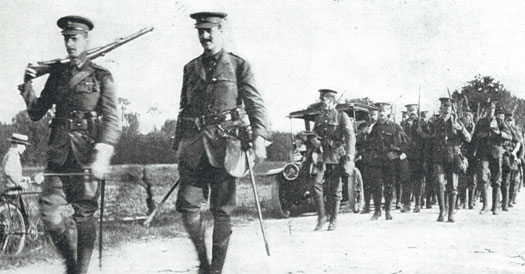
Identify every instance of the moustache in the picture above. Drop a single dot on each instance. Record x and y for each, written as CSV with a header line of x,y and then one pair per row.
x,y
205,40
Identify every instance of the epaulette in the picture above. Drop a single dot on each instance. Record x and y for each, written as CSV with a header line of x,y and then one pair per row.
x,y
95,66
235,55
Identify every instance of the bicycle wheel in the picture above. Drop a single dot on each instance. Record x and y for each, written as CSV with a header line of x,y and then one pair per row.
x,y
12,229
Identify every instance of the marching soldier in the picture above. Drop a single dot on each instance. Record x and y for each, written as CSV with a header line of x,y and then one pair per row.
x,y
418,162
468,180
364,156
511,164
385,144
335,142
83,133
489,135
218,98
413,155
447,135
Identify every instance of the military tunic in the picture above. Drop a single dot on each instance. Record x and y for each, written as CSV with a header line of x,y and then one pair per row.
x,y
386,143
489,150
337,136
86,114
214,86
446,154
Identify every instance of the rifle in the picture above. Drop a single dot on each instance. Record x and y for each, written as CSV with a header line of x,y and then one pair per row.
x,y
44,67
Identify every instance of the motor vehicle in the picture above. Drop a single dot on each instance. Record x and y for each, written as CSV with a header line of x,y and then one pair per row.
x,y
291,184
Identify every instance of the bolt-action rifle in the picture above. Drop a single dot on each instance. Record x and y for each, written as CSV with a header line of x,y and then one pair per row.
x,y
44,67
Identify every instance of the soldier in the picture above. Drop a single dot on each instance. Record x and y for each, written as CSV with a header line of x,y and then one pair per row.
x,y
408,166
385,144
335,142
83,133
468,180
417,160
364,156
447,135
511,164
489,135
218,97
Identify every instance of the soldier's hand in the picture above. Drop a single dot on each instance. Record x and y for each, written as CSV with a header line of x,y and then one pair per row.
x,y
403,156
100,166
495,131
30,73
259,148
316,141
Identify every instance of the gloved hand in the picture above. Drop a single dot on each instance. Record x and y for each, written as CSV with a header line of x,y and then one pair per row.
x,y
403,156
39,178
100,166
259,148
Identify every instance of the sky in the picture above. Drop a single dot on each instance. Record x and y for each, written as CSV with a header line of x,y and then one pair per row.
x,y
384,50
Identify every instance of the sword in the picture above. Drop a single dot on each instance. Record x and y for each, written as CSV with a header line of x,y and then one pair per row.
x,y
252,178
147,222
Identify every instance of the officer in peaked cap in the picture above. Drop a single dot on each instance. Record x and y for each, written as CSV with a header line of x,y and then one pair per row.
x,y
84,132
218,91
336,147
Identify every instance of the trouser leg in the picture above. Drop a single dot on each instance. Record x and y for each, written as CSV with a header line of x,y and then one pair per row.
x,y
440,191
335,194
377,194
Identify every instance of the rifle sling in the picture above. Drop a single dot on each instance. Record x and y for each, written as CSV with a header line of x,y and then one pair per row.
x,y
80,76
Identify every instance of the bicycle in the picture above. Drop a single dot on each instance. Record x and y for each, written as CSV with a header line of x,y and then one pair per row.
x,y
15,223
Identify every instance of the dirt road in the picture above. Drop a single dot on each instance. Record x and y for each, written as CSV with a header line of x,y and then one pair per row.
x,y
411,243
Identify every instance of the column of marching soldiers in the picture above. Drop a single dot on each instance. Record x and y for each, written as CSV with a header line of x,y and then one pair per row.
x,y
454,159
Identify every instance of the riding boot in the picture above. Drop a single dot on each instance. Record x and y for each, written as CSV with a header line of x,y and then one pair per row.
x,y
484,197
452,200
87,233
333,216
221,239
416,206
471,197
441,203
505,198
321,213
193,225
377,205
495,200
366,208
65,243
